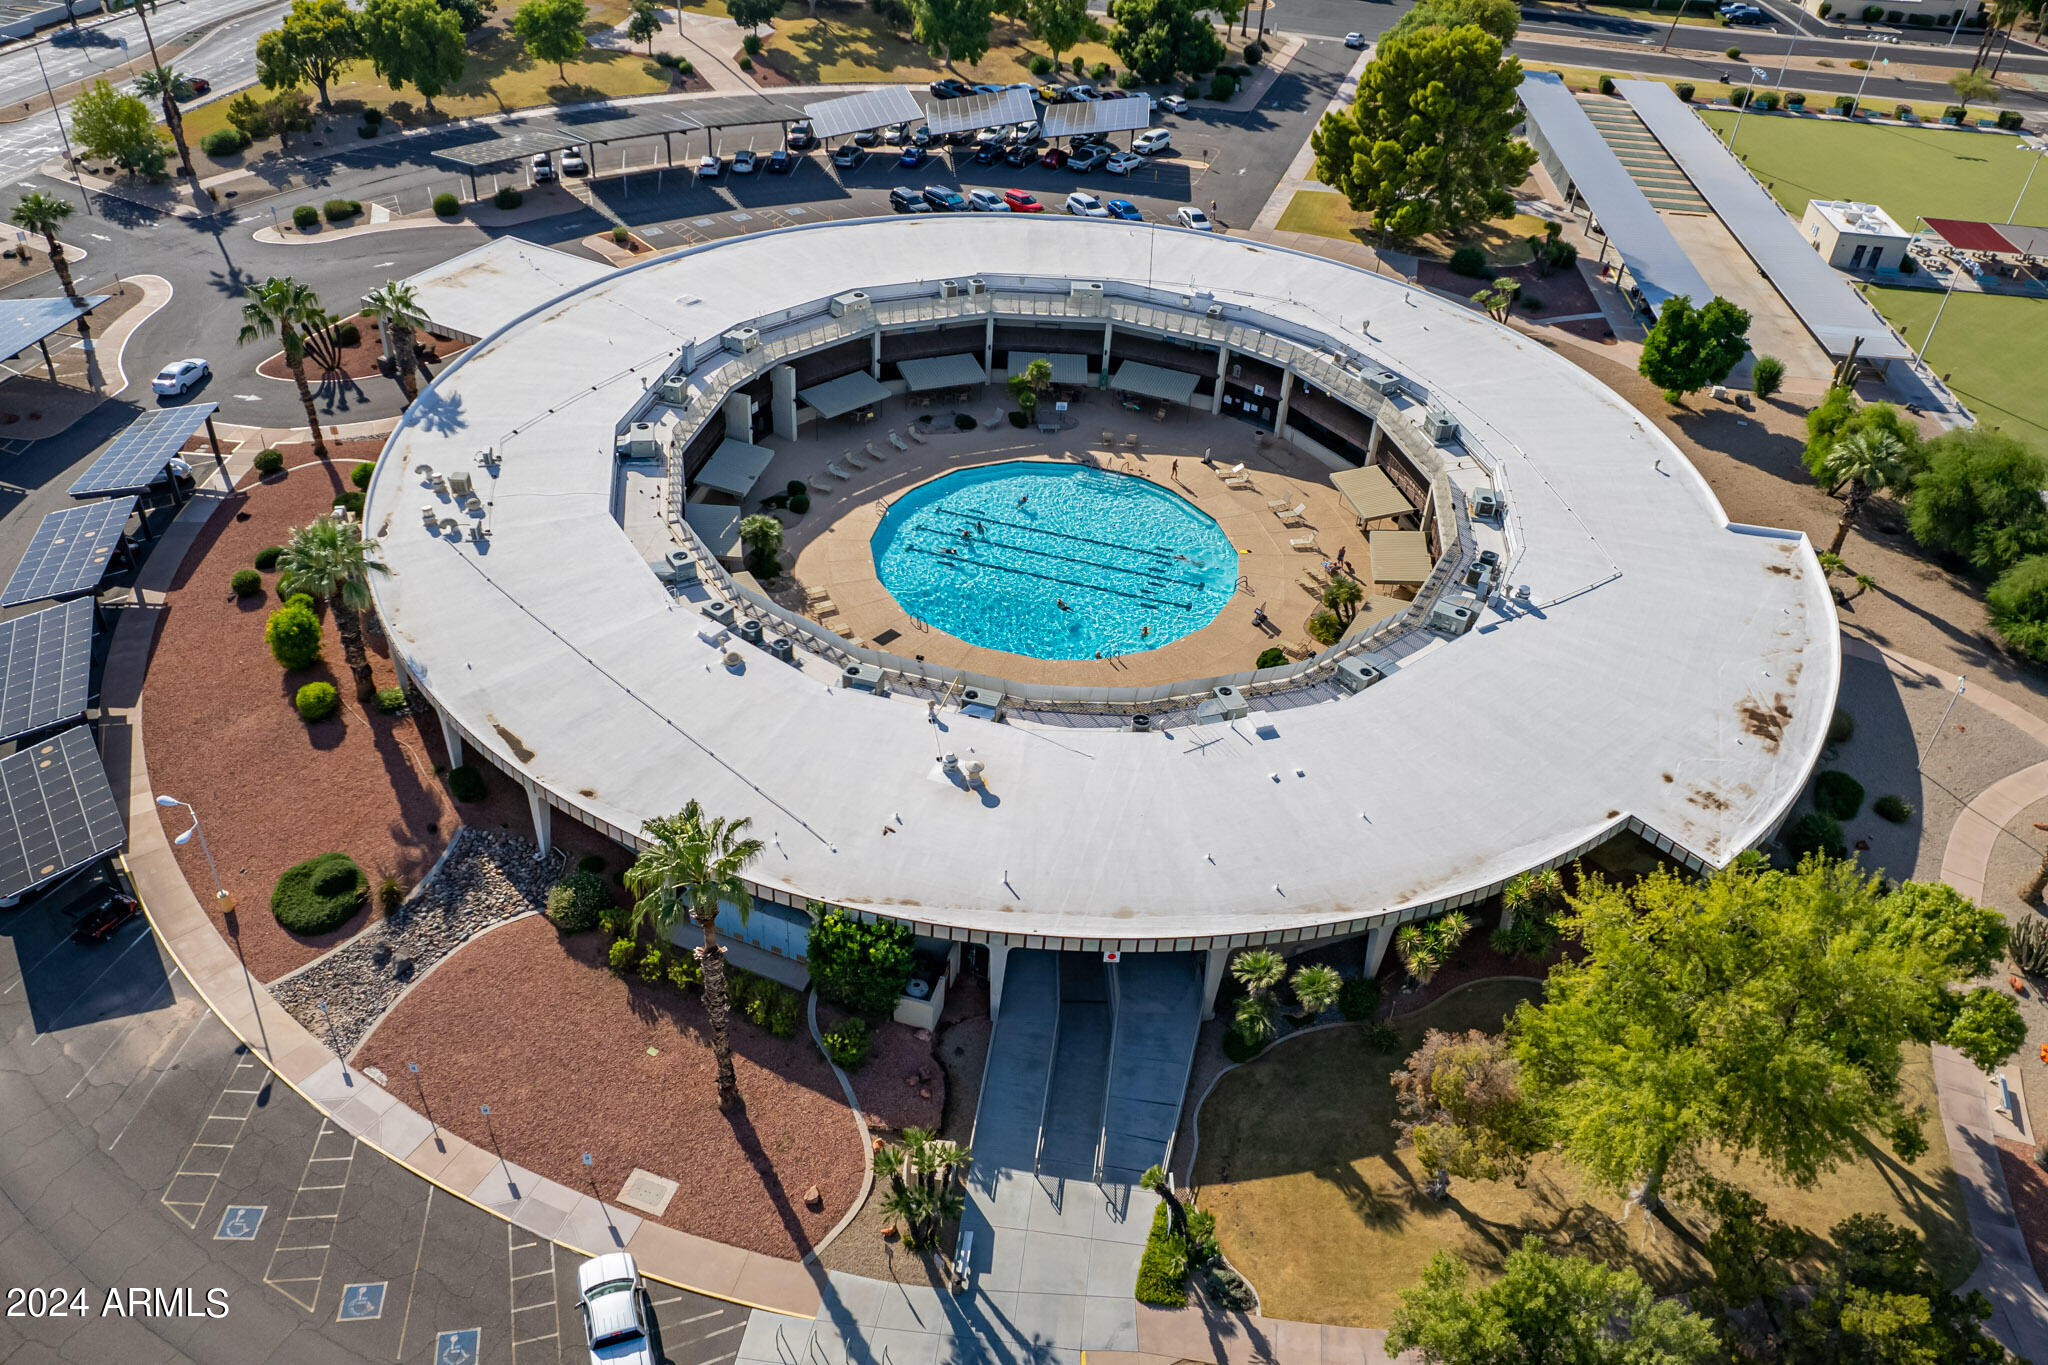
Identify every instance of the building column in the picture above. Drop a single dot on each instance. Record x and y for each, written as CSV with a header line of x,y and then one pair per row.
x,y
998,963
988,346
1372,443
1222,369
1108,332
543,816
1212,980
1286,393
739,417
451,735
782,401
875,355
1376,948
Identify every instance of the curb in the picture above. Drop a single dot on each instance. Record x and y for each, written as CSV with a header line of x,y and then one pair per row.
x,y
867,1143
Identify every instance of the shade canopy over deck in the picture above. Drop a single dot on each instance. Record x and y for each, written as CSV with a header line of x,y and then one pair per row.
x,y
1371,493
942,372
735,467
1399,556
1151,381
848,393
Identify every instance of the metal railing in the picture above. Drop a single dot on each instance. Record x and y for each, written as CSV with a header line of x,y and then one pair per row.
x,y
1109,1072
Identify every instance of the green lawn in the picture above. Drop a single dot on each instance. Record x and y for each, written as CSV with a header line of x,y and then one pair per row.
x,y
1905,171
1317,1207
1989,345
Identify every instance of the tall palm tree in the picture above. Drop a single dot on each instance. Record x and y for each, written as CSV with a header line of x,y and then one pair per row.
x,y
329,560
39,212
694,864
397,309
286,309
1856,469
161,83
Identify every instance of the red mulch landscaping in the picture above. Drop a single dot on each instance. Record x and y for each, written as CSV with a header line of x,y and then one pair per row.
x,y
537,1027
361,360
221,732
1563,294
2027,1184
901,1086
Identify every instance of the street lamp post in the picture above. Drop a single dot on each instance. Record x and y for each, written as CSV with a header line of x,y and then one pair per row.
x,y
334,1042
223,902
1954,697
1953,275
1858,107
62,135
1761,76
2040,149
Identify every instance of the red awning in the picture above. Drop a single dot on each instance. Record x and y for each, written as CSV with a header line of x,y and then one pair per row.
x,y
1966,235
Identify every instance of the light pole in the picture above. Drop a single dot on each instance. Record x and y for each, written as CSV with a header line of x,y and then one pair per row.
x,y
224,903
2040,149
62,135
1953,275
334,1042
1942,725
1761,76
1857,108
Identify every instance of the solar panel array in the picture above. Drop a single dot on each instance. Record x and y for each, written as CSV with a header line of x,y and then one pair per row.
x,y
1101,116
45,664
514,142
981,111
70,552
24,322
57,812
139,454
876,108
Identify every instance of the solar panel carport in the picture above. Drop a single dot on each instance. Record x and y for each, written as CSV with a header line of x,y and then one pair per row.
x,y
57,812
69,552
141,455
848,393
45,668
1100,116
29,322
877,108
981,111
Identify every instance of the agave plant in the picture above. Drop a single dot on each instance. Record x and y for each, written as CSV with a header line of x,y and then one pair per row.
x,y
2028,946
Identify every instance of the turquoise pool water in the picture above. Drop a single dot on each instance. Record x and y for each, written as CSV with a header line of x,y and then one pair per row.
x,y
1054,561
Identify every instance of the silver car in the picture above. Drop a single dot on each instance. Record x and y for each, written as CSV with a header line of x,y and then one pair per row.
x,y
614,1311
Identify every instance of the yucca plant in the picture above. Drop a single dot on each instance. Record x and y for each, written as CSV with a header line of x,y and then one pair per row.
x,y
2028,946
1427,946
923,1194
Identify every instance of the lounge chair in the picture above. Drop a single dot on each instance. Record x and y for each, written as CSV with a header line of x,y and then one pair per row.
x,y
1240,483
873,454
848,456
817,487
1293,514
821,607
1307,542
896,440
994,419
1235,471
1131,441
916,436
1109,439
836,472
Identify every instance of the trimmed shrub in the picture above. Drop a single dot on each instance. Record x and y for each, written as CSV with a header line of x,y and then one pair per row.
x,y
360,475
1766,376
621,954
1826,8
267,557
746,63
340,210
1955,113
1222,86
1683,89
684,973
508,198
1254,53
269,462
1607,85
848,1043
320,894
752,44
348,334
860,967
2010,120
1897,809
246,583
800,503
223,142
616,919
1734,54
1018,419
305,217
390,700
2019,606
1359,999
1163,1269
576,902
1845,104
1040,64
304,599
367,130
1907,265
1271,658
1469,261
1837,794
1767,101
447,205
1842,726
373,115
353,501
962,422
1813,832
293,634
317,701
652,970
466,783
1872,13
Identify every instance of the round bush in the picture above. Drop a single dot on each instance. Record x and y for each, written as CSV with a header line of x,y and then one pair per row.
x,y
1841,727
246,583
360,475
1469,261
1897,809
1254,53
1683,89
353,501
340,210
466,783
746,63
223,142
2019,606
1222,86
800,503
269,462
373,115
320,894
508,198
267,557
390,699
1607,85
1838,794
1040,64
621,955
1734,53
847,1043
305,217
1813,832
348,334
576,902
447,205
1766,376
367,130
1018,419
293,634
1271,658
317,701
305,600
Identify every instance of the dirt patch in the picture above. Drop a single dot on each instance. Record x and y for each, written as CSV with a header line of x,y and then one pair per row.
x,y
364,359
572,1058
902,1085
1562,294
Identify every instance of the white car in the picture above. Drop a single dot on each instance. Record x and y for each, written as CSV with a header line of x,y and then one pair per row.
x,y
1173,104
181,375
1354,40
543,169
710,167
612,1305
1123,163
1085,205
996,136
986,201
744,162
1152,142
1188,216
574,164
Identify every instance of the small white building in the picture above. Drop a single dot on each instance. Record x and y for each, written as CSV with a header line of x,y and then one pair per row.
x,y
1854,236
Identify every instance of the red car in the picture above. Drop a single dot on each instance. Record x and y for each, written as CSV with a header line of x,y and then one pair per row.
x,y
104,920
1054,158
1021,202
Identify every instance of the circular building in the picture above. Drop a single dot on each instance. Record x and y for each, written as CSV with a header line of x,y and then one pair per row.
x,y
1562,637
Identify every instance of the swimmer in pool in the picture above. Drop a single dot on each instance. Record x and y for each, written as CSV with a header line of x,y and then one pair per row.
x,y
1062,604
1023,499
1145,632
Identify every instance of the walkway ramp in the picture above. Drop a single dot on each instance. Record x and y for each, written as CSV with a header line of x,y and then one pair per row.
x,y
1019,1060
1080,1070
1158,1017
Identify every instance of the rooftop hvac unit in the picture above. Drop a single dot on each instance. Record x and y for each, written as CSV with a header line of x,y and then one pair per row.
x,y
675,392
1215,310
740,340
949,289
1491,560
861,677
718,611
977,286
1085,295
1439,426
1453,616
988,698
1383,382
1229,703
1478,576
640,443
1355,675
1486,504
852,301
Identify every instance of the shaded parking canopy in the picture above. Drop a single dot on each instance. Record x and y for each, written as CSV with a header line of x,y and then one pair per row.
x,y
1067,367
848,393
941,372
1371,493
1151,381
57,812
143,452
516,141
24,322
69,553
981,111
1399,556
735,467
1098,116
877,108
45,665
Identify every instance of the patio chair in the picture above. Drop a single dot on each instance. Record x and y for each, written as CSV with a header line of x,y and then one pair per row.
x,y
1276,504
1293,515
1235,471
848,456
1240,483
873,454
1109,439
896,440
817,487
1131,441
1307,542
836,472
994,419
917,436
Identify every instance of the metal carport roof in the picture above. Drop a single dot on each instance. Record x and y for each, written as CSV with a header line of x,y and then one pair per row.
x,y
24,322
848,393
1371,493
1099,116
942,372
980,111
512,142
1135,376
877,108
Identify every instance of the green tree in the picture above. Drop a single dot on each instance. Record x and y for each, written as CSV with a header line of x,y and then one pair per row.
x,y
1756,1013
45,213
1879,1303
954,30
1428,143
1157,38
413,42
643,23
1973,87
762,535
1462,1107
859,966
110,124
1691,348
1544,1310
1751,1255
552,31
751,14
1499,17
397,310
1316,987
329,560
1767,375
1860,464
1498,298
1979,498
1029,385
1259,971
316,39
1060,24
162,84
693,864
284,308
1342,595
472,13
2019,606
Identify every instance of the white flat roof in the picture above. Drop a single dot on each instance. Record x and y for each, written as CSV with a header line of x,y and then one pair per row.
x,y
1846,215
480,291
1671,668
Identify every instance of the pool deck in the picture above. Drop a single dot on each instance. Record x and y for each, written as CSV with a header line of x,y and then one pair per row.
x,y
830,554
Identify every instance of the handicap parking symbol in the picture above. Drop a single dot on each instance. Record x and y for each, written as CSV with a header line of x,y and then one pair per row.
x,y
238,1222
362,1302
457,1348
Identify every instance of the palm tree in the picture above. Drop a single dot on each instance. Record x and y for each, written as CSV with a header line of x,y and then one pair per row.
x,y
694,864
282,307
1342,595
1316,988
39,212
1867,461
397,309
329,560
923,1194
161,83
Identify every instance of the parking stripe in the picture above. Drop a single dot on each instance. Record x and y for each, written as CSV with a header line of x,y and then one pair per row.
x,y
198,1174
313,1239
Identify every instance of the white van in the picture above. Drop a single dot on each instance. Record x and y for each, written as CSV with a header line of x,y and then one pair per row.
x,y
1153,141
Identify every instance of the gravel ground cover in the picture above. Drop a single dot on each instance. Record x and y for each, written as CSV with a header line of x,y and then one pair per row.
x,y
2027,1183
574,1059
901,1086
485,878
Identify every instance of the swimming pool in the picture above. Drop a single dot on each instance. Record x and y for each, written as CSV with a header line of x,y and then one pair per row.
x,y
1054,561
